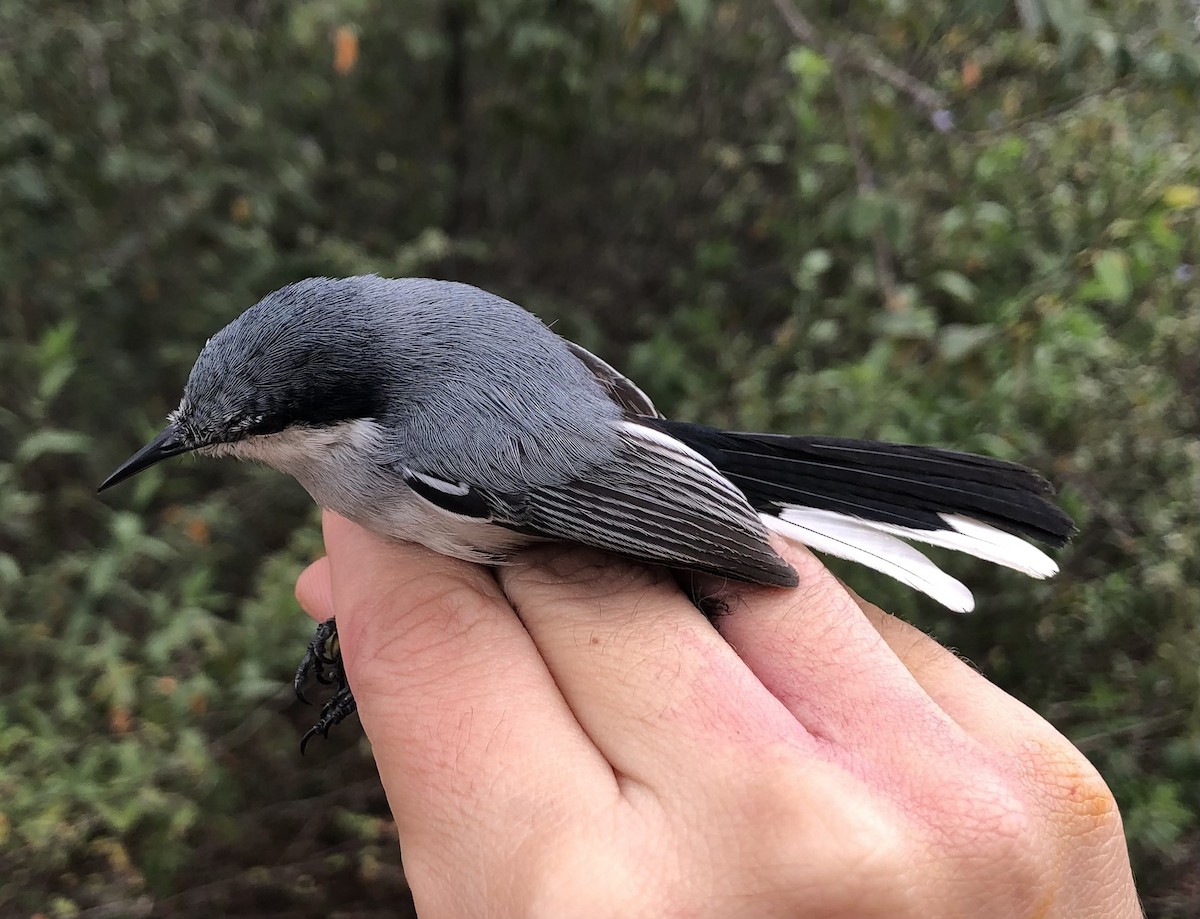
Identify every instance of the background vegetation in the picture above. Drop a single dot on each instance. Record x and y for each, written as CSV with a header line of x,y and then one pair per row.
x,y
973,223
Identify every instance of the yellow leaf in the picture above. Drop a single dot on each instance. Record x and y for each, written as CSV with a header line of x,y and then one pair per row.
x,y
953,38
1181,196
345,50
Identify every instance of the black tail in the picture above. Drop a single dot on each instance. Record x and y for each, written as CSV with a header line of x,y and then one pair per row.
x,y
894,484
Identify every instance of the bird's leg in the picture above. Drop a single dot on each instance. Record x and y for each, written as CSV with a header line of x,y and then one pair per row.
x,y
323,660
705,592
318,660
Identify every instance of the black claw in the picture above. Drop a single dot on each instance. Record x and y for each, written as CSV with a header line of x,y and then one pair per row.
x,y
308,735
340,706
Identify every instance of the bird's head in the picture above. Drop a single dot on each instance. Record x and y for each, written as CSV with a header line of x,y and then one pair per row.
x,y
297,361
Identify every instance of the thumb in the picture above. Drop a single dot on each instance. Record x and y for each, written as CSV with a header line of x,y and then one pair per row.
x,y
314,592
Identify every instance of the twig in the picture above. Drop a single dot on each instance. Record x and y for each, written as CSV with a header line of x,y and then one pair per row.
x,y
804,30
1138,729
861,56
249,726
135,908
207,891
885,273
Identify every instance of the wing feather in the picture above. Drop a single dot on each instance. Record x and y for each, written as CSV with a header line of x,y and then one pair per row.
x,y
619,387
658,500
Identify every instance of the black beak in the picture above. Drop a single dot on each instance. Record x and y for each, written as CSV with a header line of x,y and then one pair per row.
x,y
169,443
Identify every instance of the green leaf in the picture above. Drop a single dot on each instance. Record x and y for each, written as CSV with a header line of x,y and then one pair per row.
x,y
814,264
918,323
956,285
807,63
1112,271
10,569
956,341
49,442
810,69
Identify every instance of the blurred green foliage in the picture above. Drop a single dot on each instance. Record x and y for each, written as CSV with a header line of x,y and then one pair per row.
x,y
970,224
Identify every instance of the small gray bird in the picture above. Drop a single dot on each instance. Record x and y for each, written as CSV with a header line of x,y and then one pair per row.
x,y
438,413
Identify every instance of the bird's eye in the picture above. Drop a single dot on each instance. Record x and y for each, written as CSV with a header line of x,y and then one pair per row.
x,y
250,425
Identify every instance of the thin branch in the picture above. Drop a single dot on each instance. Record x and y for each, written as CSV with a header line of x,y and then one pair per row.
x,y
206,892
885,273
803,29
135,908
798,23
262,713
859,55
1140,730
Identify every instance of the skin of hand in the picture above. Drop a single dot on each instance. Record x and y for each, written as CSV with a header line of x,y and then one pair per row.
x,y
605,752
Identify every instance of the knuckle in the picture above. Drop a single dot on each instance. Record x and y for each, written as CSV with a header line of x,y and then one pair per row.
x,y
1078,799
922,655
824,595
446,597
556,878
994,834
781,810
406,624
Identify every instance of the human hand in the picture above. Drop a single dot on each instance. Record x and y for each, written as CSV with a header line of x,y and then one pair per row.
x,y
615,756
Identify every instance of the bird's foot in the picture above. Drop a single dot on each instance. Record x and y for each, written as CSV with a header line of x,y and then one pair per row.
x,y
323,662
341,705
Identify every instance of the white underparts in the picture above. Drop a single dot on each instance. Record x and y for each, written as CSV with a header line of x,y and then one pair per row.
x,y
340,466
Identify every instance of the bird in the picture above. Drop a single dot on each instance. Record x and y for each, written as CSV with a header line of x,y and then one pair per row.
x,y
434,412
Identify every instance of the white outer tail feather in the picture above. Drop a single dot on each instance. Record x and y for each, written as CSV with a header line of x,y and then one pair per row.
x,y
858,541
880,546
991,545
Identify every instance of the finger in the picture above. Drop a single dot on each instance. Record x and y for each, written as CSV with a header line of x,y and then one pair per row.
x,y
653,684
464,719
813,648
835,671
985,711
314,591
981,708
1058,779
